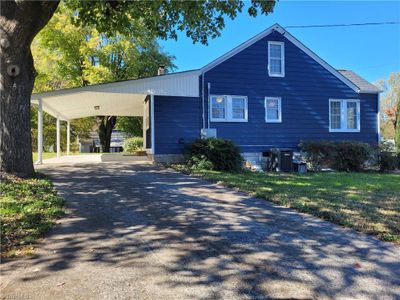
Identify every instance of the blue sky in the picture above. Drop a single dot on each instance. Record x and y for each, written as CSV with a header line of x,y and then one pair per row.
x,y
371,51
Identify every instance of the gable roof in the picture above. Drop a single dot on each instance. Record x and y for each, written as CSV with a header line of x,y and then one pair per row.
x,y
364,85
351,81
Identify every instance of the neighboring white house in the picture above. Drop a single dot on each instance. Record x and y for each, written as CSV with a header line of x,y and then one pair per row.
x,y
92,144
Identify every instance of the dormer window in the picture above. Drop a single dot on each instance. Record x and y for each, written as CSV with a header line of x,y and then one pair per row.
x,y
276,59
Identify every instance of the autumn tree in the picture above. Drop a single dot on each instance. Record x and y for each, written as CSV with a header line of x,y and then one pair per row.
x,y
21,20
72,55
389,103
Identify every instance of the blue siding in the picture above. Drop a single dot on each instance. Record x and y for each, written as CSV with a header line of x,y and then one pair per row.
x,y
177,120
305,91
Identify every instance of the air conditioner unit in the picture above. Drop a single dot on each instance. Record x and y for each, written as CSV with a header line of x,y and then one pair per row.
x,y
280,160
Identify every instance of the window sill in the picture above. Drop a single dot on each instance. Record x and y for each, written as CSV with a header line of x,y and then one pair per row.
x,y
273,121
344,130
276,75
228,121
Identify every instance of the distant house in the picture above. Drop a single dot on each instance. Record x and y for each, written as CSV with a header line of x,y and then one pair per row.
x,y
92,144
269,92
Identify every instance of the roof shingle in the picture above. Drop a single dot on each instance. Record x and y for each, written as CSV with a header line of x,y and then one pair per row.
x,y
363,85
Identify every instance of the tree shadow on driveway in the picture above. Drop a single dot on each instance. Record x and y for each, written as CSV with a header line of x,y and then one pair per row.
x,y
137,231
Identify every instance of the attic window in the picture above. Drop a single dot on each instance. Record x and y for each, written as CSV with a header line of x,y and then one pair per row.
x,y
276,59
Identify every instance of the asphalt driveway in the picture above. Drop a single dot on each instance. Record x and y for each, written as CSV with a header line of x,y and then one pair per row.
x,y
133,231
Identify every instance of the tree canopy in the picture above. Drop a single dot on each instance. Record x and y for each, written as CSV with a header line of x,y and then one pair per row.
x,y
72,55
201,20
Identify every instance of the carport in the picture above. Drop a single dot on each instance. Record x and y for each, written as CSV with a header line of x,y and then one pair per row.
x,y
124,98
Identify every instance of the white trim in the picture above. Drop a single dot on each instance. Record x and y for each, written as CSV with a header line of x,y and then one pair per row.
x,y
292,39
282,58
152,127
144,124
228,109
203,114
58,137
279,120
379,118
68,137
40,132
343,116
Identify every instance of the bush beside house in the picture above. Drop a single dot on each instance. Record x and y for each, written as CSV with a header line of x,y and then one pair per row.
x,y
133,144
348,156
214,154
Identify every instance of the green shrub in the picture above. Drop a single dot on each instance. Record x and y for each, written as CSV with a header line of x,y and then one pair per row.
x,y
316,153
201,163
133,144
214,154
342,156
387,158
350,156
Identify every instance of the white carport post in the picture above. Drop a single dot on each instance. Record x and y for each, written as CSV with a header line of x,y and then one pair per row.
x,y
58,137
68,136
40,133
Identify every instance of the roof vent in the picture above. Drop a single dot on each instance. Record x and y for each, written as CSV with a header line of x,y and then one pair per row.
x,y
161,70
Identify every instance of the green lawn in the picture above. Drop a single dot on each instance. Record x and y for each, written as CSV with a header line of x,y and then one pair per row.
x,y
28,208
368,202
46,155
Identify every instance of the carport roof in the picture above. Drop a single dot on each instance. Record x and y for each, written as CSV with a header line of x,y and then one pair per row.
x,y
123,98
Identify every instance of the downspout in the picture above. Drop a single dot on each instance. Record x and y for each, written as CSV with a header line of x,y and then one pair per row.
x,y
203,101
208,110
379,118
202,98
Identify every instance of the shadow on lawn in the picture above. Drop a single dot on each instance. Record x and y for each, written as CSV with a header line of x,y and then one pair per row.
x,y
207,239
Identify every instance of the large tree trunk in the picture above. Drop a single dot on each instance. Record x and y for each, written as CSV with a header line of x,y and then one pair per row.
x,y
106,126
20,21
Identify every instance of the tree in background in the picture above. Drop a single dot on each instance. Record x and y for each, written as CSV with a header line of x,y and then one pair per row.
x,y
126,57
398,126
389,102
70,55
132,126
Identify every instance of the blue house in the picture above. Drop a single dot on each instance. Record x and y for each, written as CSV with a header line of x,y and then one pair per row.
x,y
269,92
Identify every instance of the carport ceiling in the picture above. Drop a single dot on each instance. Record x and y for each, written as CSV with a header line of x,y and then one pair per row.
x,y
86,104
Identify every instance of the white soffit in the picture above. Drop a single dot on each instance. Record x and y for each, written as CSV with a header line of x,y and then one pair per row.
x,y
123,98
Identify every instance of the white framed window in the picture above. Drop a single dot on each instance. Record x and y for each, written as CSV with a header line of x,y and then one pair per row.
x,y
276,59
273,110
344,115
227,108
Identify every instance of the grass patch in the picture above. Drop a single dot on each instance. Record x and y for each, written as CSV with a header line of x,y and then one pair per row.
x,y
368,202
46,155
28,208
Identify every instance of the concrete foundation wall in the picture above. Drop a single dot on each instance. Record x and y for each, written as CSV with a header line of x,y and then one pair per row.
x,y
168,158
